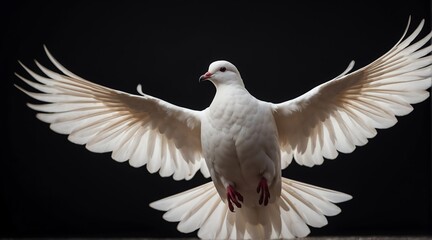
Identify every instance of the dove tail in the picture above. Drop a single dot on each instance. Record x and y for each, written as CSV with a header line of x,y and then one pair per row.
x,y
299,205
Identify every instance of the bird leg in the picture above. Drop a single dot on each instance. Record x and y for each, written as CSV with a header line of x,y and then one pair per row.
x,y
233,197
265,193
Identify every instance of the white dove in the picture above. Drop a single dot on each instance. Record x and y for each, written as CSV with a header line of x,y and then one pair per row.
x,y
241,142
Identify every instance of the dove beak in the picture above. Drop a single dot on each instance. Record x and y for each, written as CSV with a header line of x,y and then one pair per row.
x,y
206,76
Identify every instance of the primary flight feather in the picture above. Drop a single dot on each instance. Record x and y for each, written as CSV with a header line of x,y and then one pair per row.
x,y
239,141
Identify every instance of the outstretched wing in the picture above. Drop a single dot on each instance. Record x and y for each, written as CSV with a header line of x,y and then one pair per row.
x,y
141,129
344,112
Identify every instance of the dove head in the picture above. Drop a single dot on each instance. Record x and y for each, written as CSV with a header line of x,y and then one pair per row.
x,y
222,73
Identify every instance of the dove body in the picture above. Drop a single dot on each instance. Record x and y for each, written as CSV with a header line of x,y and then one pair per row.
x,y
240,144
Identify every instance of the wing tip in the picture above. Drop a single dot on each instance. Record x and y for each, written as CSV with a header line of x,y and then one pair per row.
x,y
156,205
342,197
22,89
47,52
139,89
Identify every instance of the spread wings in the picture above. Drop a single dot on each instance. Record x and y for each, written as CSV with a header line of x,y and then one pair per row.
x,y
344,112
141,129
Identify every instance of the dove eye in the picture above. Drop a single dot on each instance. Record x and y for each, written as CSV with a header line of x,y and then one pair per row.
x,y
222,69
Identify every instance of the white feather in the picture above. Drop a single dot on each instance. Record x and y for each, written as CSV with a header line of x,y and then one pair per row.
x,y
299,205
106,120
353,105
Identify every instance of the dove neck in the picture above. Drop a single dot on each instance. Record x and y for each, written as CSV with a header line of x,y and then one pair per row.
x,y
225,88
229,85
230,89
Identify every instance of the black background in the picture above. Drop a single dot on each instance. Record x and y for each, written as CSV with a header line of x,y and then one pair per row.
x,y
53,188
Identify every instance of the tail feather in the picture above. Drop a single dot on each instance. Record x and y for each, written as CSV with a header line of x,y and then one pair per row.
x,y
300,205
295,225
197,215
321,198
323,193
176,204
214,223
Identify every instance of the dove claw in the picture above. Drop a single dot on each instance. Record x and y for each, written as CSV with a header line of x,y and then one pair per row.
x,y
233,197
265,193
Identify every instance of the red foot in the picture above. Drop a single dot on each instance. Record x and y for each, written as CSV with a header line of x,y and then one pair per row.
x,y
233,197
265,194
